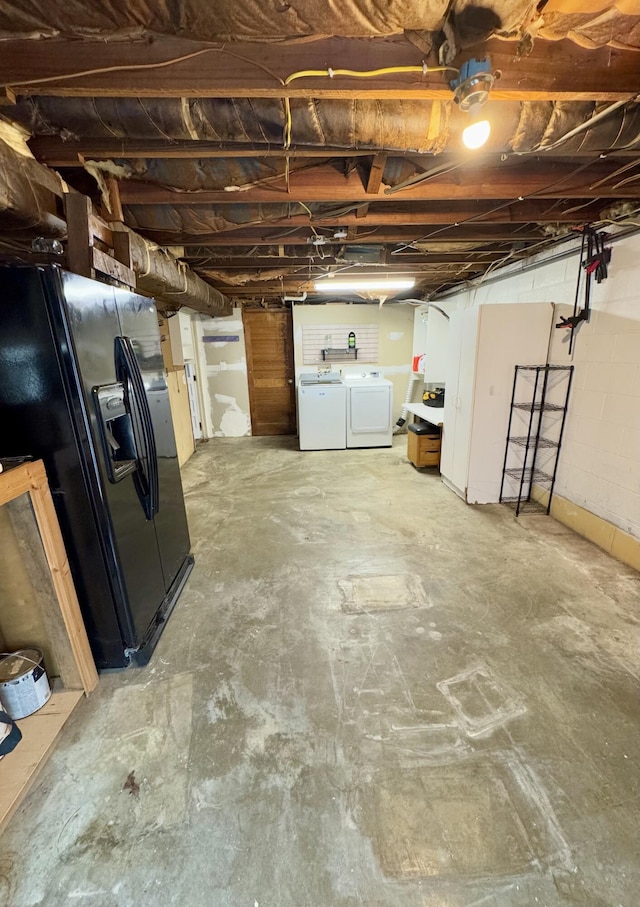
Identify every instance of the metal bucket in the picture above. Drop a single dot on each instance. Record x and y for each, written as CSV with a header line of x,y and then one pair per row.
x,y
24,685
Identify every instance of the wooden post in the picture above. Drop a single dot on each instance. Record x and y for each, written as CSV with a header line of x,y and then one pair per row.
x,y
376,173
122,247
80,235
115,205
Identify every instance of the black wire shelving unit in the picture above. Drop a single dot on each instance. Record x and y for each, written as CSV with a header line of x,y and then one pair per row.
x,y
537,417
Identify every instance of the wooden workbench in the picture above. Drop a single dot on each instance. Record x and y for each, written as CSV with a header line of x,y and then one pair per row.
x,y
431,414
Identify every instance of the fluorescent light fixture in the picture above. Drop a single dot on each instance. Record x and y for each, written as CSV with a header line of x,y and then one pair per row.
x,y
475,135
362,286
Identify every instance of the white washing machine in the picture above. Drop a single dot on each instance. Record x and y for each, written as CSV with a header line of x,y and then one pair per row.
x,y
369,409
322,412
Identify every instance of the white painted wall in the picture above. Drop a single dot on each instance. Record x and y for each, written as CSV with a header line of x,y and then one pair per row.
x,y
599,467
222,369
395,350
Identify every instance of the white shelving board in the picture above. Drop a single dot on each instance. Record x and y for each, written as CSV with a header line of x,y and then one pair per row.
x,y
431,414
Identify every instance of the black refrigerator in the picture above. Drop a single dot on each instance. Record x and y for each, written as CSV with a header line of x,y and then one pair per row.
x,y
82,387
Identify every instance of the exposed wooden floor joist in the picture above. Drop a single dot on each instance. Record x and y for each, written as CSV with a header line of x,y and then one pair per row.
x,y
553,70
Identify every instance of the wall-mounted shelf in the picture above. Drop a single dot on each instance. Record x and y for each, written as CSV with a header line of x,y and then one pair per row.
x,y
340,355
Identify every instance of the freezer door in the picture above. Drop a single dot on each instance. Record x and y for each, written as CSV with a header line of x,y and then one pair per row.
x,y
139,323
94,327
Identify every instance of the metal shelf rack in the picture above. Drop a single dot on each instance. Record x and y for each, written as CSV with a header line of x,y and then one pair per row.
x,y
534,436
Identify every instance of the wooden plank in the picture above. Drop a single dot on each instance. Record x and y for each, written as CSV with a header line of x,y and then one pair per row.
x,y
398,262
376,172
115,204
454,223
7,97
56,555
559,70
15,482
105,264
21,767
80,234
323,184
272,235
53,151
180,414
100,230
122,247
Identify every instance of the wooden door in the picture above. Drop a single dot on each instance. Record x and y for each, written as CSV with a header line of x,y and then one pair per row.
x,y
269,345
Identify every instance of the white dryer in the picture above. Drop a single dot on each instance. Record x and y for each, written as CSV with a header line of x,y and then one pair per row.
x,y
369,409
322,412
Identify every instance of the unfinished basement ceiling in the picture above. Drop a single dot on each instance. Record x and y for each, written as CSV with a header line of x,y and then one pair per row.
x,y
374,180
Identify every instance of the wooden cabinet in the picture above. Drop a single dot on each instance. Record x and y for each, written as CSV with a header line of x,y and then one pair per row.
x,y
484,345
423,450
176,340
38,606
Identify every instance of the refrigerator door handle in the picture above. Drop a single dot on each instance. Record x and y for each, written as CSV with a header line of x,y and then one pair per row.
x,y
143,402
147,484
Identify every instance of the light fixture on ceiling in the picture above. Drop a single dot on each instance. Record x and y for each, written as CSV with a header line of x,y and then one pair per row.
x,y
363,286
470,92
476,134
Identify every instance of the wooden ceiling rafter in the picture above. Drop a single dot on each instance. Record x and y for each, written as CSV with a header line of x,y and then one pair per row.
x,y
324,184
266,235
553,71
57,152
402,262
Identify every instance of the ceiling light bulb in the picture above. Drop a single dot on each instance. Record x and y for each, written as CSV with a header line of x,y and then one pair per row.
x,y
475,135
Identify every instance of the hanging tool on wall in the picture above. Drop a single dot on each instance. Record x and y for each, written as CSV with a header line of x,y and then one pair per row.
x,y
594,259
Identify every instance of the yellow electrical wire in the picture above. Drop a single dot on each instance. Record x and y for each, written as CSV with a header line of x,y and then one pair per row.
x,y
354,73
310,213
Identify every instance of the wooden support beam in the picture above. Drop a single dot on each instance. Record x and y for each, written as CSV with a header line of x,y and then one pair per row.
x,y
7,97
122,247
472,232
456,220
398,262
376,172
80,233
323,184
52,150
559,70
276,288
100,230
114,212
352,233
111,267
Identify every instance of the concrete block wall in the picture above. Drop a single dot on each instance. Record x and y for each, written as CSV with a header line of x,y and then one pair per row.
x,y
599,467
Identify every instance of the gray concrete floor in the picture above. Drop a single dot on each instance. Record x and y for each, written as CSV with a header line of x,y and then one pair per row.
x,y
369,694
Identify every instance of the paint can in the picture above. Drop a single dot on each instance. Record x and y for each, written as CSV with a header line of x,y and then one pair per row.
x,y
24,685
